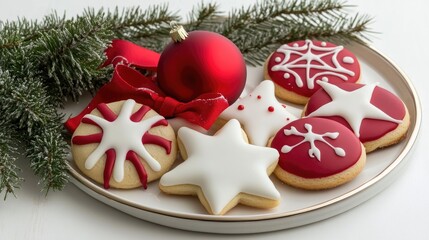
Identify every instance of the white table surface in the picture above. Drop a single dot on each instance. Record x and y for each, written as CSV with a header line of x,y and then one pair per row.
x,y
398,212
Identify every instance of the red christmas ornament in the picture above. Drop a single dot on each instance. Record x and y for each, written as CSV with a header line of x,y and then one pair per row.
x,y
201,62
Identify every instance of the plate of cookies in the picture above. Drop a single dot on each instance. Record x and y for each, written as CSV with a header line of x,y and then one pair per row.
x,y
316,131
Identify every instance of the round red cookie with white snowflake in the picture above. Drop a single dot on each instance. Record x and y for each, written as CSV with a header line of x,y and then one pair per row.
x,y
376,116
296,67
124,145
317,153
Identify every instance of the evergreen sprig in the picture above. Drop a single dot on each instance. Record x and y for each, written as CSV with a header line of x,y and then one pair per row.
x,y
9,178
27,109
261,28
45,63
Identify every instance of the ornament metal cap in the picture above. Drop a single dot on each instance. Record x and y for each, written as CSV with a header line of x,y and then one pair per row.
x,y
177,32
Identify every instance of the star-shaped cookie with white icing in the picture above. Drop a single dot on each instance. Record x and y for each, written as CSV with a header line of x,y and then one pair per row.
x,y
260,113
223,170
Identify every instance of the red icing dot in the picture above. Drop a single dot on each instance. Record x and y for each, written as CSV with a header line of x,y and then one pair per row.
x,y
284,106
259,97
240,107
271,109
287,119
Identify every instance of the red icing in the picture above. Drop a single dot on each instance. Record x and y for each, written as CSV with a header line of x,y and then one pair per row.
x,y
271,109
108,168
147,138
371,129
290,84
106,112
139,114
162,122
259,97
138,165
157,140
298,161
240,107
89,121
82,140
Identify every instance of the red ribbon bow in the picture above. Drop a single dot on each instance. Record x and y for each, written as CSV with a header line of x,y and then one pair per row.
x,y
128,83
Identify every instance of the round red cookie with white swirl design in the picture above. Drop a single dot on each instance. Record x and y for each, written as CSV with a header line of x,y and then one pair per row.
x,y
124,145
296,67
376,116
317,153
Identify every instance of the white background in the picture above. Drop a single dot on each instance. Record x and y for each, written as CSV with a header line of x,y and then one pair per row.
x,y
398,212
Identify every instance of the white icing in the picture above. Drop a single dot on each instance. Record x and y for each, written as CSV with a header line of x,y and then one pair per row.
x,y
122,135
258,122
311,137
313,61
224,165
286,75
277,59
349,60
353,106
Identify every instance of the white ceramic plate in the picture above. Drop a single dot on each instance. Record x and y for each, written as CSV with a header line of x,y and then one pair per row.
x,y
298,207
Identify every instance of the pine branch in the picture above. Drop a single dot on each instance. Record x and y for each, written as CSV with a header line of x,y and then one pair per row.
x,y
9,178
149,27
29,109
261,28
205,16
67,53
22,32
68,59
345,30
48,155
263,14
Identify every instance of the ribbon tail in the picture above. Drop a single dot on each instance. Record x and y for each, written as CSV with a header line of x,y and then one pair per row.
x,y
204,110
125,52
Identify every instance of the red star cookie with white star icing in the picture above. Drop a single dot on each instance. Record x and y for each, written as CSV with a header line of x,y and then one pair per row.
x,y
260,114
378,117
296,67
223,170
